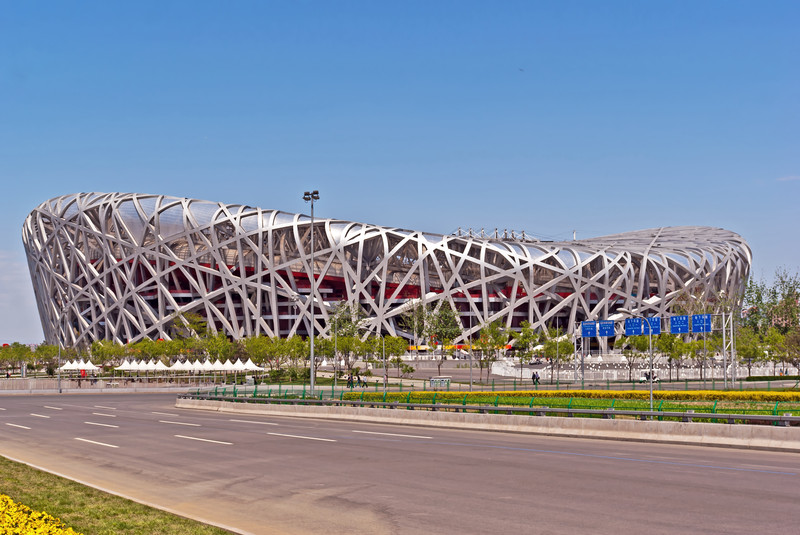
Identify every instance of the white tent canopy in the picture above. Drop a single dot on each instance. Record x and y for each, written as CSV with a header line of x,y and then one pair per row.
x,y
88,366
68,366
181,366
251,366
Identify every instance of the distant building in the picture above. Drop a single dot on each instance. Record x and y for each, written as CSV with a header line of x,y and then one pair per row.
x,y
119,266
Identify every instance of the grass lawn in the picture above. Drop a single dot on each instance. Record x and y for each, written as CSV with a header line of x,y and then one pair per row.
x,y
88,510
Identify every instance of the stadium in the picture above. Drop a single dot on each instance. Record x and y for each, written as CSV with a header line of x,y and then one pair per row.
x,y
120,266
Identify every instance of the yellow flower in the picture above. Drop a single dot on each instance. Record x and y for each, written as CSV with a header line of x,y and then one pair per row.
x,y
18,519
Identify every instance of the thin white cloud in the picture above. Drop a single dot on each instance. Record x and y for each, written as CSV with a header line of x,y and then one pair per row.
x,y
789,178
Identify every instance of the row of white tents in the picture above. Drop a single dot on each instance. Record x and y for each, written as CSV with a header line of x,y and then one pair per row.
x,y
180,366
74,366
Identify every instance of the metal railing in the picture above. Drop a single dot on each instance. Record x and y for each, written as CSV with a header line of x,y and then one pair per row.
x,y
684,416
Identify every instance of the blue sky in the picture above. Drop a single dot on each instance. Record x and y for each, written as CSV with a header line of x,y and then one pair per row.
x,y
597,117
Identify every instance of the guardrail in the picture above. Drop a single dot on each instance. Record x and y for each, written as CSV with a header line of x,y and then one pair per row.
x,y
685,416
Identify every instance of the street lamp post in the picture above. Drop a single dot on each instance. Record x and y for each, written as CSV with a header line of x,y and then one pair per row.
x,y
60,323
311,196
470,350
335,346
650,339
385,368
703,367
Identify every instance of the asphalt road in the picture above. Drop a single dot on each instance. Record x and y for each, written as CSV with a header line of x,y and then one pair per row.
x,y
287,475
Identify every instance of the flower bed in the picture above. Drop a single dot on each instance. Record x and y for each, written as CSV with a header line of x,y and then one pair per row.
x,y
17,519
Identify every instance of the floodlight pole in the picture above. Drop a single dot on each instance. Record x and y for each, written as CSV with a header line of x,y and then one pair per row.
x,y
311,196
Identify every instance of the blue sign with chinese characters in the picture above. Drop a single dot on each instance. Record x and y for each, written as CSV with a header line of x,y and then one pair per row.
x,y
633,326
588,329
679,324
606,328
701,323
655,325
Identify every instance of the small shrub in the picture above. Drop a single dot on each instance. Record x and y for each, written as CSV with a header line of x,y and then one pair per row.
x,y
276,376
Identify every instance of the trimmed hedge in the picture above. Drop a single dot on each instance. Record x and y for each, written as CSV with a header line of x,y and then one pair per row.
x,y
772,378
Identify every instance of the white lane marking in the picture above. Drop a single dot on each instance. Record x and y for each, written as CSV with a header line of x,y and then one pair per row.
x,y
299,436
389,434
178,423
164,413
101,414
39,415
98,443
53,408
252,422
20,426
104,425
2,409
205,440
104,407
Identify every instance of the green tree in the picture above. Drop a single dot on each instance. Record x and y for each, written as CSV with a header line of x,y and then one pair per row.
x,y
258,349
491,341
785,312
14,355
674,348
748,346
219,346
557,349
296,349
345,330
188,325
104,351
775,345
47,355
635,348
395,348
443,326
414,321
396,345
525,340
776,305
792,345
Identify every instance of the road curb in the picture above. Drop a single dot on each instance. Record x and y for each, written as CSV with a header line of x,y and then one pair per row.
x,y
688,433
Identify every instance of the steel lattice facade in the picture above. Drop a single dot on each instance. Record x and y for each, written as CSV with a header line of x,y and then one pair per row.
x,y
119,266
